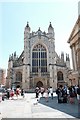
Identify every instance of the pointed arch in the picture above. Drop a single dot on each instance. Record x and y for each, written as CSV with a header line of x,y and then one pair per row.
x,y
39,84
39,58
39,42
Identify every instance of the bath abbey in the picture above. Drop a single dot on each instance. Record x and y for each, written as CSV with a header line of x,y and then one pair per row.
x,y
38,64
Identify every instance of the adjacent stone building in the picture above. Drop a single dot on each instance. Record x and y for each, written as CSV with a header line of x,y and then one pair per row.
x,y
74,41
2,76
38,64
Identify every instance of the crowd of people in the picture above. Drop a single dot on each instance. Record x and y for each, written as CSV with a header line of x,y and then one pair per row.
x,y
18,92
68,94
11,93
64,93
44,92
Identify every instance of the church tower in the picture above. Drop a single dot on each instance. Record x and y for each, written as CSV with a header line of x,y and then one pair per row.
x,y
52,56
26,63
67,61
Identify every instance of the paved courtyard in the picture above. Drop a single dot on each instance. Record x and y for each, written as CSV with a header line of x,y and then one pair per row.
x,y
29,108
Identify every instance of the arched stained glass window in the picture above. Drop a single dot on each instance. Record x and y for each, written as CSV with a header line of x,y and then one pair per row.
x,y
39,59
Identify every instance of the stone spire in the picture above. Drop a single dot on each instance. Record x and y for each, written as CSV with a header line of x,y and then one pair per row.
x,y
15,55
39,29
27,24
62,57
67,57
67,60
50,28
50,31
27,28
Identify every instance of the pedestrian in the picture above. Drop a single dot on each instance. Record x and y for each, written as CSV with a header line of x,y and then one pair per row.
x,y
8,94
51,92
46,95
12,94
76,87
59,93
64,94
42,91
78,94
72,94
17,92
37,91
22,93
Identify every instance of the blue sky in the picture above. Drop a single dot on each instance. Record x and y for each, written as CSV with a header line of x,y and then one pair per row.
x,y
14,17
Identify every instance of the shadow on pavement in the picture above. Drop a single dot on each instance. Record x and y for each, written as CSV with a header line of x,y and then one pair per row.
x,y
68,108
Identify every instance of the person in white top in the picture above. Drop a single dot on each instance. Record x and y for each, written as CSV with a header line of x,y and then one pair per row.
x,y
51,92
42,91
46,94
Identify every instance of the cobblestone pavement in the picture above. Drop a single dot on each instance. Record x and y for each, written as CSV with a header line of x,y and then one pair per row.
x,y
28,107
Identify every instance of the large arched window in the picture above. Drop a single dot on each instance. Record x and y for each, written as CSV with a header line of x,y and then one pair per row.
x,y
19,76
59,76
39,59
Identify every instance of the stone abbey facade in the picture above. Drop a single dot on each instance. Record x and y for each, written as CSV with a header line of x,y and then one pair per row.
x,y
39,64
74,41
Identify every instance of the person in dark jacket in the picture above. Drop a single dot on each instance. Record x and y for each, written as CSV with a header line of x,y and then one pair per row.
x,y
37,91
59,94
22,93
62,94
8,94
72,94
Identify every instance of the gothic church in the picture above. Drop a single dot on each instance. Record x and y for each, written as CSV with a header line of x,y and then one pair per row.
x,y
39,64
